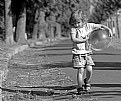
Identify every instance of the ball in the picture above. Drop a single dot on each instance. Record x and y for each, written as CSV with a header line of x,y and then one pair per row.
x,y
100,39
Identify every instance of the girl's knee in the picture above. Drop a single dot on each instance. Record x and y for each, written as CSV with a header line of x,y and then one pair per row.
x,y
89,68
81,70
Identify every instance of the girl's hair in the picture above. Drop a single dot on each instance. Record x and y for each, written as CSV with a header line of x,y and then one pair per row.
x,y
76,16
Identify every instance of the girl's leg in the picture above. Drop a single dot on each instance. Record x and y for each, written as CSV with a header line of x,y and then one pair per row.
x,y
80,73
88,73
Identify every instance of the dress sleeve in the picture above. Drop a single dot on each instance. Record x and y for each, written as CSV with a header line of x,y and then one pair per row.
x,y
73,30
92,25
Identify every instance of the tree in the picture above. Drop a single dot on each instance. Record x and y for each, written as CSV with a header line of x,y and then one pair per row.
x,y
36,24
2,20
103,9
23,7
21,24
8,23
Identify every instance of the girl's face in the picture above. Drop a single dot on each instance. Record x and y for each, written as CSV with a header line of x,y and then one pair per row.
x,y
79,24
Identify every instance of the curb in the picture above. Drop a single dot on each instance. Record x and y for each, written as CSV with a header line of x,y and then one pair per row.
x,y
46,42
17,50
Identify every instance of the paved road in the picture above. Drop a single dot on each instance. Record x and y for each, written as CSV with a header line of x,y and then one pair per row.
x,y
106,79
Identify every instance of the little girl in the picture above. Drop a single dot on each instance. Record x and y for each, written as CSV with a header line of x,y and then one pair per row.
x,y
80,31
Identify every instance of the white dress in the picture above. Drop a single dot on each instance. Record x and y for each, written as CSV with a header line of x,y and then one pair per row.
x,y
85,47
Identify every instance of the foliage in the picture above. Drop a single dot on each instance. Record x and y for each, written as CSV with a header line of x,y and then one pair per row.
x,y
61,8
2,26
104,9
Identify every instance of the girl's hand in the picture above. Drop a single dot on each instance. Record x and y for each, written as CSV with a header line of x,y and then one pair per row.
x,y
86,37
110,31
111,34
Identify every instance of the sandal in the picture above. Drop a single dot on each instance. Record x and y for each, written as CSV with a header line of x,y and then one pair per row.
x,y
87,86
79,90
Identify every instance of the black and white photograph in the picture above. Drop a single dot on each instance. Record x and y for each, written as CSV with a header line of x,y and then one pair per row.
x,y
60,50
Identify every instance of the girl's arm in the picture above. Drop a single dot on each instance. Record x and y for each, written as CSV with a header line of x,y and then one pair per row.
x,y
105,27
78,40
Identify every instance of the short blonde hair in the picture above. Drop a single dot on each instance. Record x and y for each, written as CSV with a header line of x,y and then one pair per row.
x,y
76,16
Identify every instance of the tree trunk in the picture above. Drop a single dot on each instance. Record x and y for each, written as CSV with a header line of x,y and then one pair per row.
x,y
21,26
58,30
35,30
117,25
8,23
